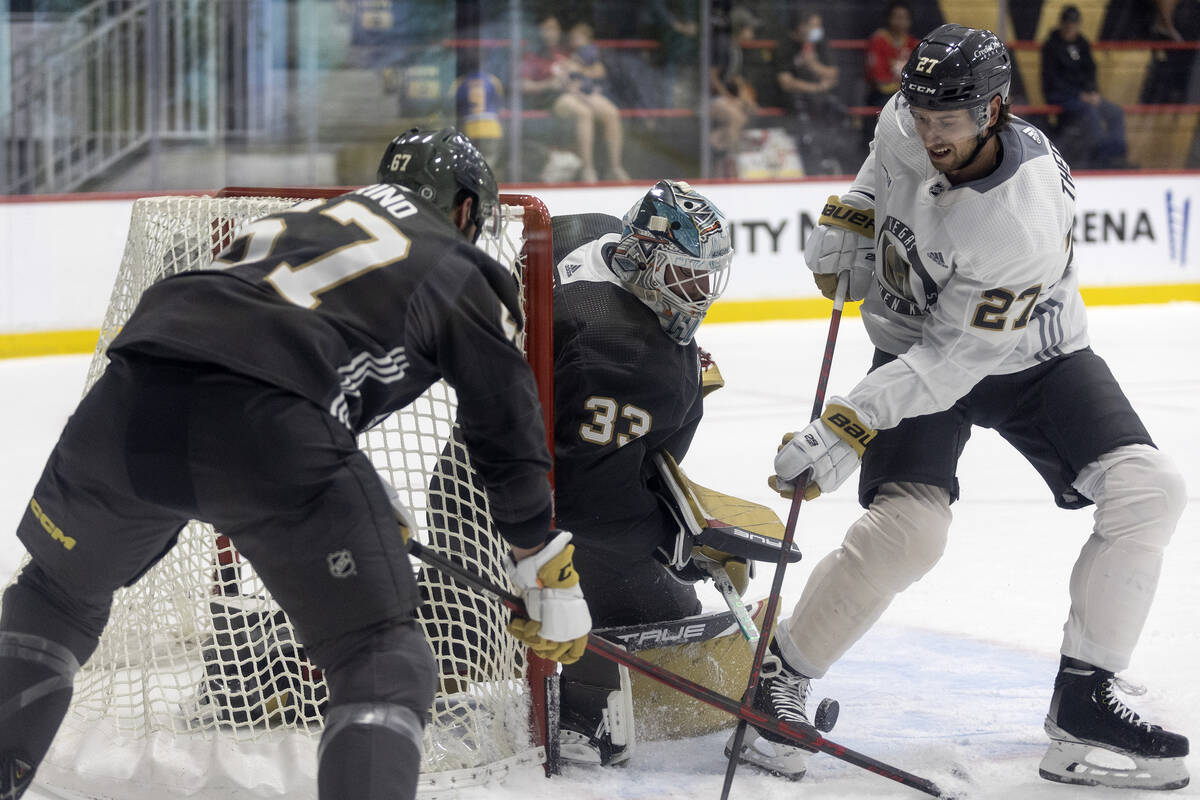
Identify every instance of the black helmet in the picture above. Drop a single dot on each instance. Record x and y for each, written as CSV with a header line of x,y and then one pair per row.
x,y
435,165
956,67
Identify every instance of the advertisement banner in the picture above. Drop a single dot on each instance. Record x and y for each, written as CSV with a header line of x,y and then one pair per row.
x,y
1129,230
58,257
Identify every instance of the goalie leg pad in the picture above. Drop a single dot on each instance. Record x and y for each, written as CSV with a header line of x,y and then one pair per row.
x,y
900,537
1140,496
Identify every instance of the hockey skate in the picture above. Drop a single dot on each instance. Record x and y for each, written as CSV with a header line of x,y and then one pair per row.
x,y
16,773
1096,740
596,723
580,742
782,694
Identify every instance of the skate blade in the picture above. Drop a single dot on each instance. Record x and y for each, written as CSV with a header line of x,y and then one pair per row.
x,y
781,760
1087,765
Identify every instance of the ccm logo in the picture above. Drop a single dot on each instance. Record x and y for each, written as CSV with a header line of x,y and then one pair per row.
x,y
916,87
850,428
68,542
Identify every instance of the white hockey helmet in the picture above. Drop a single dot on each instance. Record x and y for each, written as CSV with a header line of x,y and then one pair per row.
x,y
674,255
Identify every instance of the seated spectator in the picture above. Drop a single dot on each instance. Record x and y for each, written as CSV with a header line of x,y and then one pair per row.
x,y
565,82
1092,127
1164,21
734,101
1169,74
887,50
807,77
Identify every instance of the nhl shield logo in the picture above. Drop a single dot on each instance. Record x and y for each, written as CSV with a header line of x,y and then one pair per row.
x,y
341,564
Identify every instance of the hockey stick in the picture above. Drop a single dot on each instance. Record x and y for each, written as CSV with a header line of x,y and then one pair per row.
x,y
805,735
789,534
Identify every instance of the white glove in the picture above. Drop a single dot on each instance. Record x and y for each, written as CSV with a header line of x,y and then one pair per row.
x,y
830,448
843,241
559,620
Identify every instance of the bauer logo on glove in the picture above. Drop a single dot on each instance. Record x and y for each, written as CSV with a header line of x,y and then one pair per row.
x,y
828,451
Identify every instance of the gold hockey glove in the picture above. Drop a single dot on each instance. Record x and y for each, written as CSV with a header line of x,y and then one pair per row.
x,y
559,621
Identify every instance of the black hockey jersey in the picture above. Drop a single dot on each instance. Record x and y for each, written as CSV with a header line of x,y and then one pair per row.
x,y
623,390
358,303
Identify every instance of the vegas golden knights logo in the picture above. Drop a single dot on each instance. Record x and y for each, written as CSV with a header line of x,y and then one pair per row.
x,y
896,269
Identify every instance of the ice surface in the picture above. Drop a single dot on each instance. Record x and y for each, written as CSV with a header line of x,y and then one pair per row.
x,y
953,682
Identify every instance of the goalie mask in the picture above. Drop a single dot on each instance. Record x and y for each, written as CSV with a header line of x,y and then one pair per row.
x,y
674,255
439,166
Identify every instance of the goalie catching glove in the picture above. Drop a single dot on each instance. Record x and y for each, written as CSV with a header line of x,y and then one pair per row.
x,y
844,240
559,620
829,449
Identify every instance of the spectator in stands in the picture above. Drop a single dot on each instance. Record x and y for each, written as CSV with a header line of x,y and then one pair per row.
x,y
557,78
1069,80
805,72
887,50
1164,21
734,101
1169,74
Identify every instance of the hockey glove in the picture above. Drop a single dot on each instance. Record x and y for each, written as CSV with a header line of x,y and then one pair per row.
x,y
844,239
829,449
559,621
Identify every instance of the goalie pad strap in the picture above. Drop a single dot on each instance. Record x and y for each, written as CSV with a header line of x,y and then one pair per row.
x,y
837,214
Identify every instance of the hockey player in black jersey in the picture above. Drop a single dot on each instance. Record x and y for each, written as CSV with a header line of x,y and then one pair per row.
x,y
628,297
234,396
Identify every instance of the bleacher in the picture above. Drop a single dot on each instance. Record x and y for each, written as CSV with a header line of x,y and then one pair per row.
x,y
1160,135
282,83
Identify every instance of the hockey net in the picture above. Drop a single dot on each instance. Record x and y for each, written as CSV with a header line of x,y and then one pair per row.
x,y
198,687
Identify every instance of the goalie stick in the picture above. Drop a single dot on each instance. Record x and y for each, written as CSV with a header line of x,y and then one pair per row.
x,y
789,534
806,735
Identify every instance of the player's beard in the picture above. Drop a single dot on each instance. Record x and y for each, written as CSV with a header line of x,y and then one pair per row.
x,y
960,155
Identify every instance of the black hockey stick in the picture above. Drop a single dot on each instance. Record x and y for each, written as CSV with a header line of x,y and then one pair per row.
x,y
789,533
805,735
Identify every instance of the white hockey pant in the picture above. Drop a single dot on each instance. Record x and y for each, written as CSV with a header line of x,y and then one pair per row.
x,y
900,537
1140,496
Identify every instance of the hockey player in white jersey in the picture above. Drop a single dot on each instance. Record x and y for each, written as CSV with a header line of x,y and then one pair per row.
x,y
956,234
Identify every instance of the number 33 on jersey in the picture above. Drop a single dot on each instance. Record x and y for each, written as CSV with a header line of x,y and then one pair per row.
x,y
634,422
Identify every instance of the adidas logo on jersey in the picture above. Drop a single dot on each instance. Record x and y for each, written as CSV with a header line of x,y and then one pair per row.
x,y
1032,133
937,258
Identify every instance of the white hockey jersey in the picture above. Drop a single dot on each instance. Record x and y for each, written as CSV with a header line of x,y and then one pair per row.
x,y
973,280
